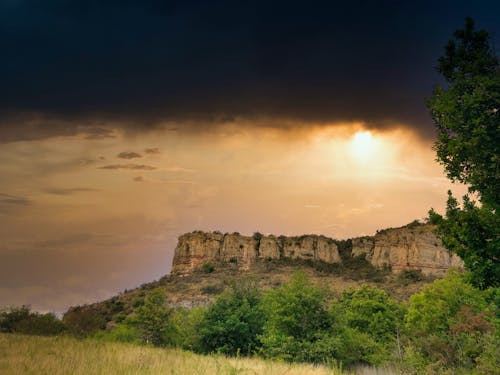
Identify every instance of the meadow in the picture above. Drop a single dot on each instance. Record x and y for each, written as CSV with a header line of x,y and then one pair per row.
x,y
24,354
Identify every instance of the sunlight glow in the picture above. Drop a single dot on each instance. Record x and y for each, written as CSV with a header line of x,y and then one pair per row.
x,y
363,146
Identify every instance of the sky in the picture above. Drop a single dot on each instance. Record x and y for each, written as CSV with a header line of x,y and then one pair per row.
x,y
124,124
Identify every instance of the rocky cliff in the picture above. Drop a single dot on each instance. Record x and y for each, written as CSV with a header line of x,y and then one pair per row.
x,y
410,247
196,248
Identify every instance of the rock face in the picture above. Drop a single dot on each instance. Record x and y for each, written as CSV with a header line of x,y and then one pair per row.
x,y
195,249
410,247
414,247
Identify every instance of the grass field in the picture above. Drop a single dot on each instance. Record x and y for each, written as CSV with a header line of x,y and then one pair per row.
x,y
65,355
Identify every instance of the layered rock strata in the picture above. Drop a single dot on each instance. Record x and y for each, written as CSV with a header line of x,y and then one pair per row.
x,y
196,248
410,247
407,248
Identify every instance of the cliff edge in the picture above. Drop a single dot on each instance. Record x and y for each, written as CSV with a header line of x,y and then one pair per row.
x,y
414,246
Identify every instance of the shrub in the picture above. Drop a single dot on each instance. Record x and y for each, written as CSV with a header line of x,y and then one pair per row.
x,y
212,289
22,320
407,277
83,321
152,320
450,323
301,326
359,268
207,267
371,310
296,313
186,327
231,324
138,302
121,333
257,236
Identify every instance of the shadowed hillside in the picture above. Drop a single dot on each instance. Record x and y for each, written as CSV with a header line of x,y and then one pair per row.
x,y
398,260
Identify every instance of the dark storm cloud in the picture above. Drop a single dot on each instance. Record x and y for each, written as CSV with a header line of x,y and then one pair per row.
x,y
138,179
8,199
68,191
154,150
140,63
135,167
129,155
32,126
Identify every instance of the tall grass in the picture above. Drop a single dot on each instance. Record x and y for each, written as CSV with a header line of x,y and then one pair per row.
x,y
65,355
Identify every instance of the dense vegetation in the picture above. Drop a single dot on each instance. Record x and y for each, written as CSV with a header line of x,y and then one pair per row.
x,y
449,326
23,320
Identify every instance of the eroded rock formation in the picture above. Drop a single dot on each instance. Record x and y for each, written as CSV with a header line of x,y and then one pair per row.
x,y
196,248
414,247
410,247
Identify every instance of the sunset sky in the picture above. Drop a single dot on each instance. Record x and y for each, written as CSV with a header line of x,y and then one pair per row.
x,y
124,124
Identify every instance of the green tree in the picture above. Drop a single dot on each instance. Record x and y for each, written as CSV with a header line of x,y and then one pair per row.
x,y
302,325
450,324
371,310
297,314
467,118
153,320
467,113
187,323
232,324
473,233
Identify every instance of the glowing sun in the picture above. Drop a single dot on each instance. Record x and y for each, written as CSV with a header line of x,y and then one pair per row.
x,y
363,145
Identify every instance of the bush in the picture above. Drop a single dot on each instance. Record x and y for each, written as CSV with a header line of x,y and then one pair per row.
x,y
152,320
212,289
186,325
231,324
302,327
83,321
22,320
407,277
257,236
371,310
296,315
207,267
450,324
359,268
121,333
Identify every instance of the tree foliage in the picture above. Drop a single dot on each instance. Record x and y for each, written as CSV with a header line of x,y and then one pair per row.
x,y
296,314
450,325
467,118
467,113
83,321
232,324
304,325
371,310
473,233
23,320
153,320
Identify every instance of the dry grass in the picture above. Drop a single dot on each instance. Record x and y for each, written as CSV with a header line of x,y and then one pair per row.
x,y
66,355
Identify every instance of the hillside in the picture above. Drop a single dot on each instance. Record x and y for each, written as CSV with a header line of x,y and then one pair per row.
x,y
398,260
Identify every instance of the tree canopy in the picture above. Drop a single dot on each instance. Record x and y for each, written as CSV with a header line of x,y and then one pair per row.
x,y
467,118
467,113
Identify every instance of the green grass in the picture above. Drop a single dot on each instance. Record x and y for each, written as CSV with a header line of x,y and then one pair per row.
x,y
66,355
